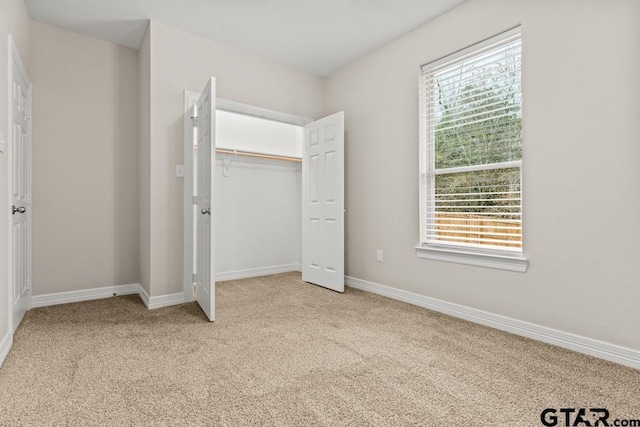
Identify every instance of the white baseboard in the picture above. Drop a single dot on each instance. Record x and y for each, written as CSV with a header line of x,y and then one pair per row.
x,y
256,272
107,292
144,296
165,300
5,346
603,350
161,300
83,295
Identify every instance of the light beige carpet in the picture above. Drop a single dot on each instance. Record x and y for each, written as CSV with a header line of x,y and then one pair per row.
x,y
283,352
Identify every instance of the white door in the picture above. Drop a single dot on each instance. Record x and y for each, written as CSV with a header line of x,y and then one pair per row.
x,y
21,190
205,135
323,202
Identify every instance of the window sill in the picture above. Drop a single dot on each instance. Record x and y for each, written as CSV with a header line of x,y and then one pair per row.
x,y
501,262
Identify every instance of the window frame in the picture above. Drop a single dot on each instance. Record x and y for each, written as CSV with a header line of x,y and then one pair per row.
x,y
463,253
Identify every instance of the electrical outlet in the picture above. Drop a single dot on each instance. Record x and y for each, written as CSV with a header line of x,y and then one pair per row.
x,y
379,255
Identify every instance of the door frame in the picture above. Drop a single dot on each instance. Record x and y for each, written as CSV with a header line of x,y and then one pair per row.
x,y
14,58
188,267
190,97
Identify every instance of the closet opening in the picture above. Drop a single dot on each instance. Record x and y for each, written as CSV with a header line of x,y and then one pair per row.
x,y
257,191
271,189
257,196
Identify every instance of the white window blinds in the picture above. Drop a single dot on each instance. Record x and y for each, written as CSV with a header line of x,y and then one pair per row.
x,y
471,150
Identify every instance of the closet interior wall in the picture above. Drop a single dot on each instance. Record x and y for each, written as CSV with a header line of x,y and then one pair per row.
x,y
257,215
257,199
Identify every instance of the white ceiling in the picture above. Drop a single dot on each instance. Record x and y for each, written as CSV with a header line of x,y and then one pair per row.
x,y
317,36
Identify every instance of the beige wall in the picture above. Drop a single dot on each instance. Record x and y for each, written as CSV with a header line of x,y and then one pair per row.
x,y
13,20
581,81
144,152
180,61
85,159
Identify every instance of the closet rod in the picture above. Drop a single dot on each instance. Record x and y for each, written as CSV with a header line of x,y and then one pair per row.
x,y
253,154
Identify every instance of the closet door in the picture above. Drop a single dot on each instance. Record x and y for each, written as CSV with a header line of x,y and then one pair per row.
x,y
323,202
205,134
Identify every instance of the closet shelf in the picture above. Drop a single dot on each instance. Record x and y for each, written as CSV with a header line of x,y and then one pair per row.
x,y
254,154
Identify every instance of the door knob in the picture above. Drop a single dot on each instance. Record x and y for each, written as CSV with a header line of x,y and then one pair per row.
x,y
21,209
206,211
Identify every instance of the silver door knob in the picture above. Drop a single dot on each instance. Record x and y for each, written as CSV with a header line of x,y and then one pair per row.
x,y
21,209
206,211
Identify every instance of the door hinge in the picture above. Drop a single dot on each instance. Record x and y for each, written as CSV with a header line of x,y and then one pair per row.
x,y
195,121
194,278
29,113
195,291
29,285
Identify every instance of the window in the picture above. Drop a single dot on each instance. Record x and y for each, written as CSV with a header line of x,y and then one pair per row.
x,y
471,152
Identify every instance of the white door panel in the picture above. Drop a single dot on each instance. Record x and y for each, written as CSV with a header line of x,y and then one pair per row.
x,y
323,203
20,191
205,274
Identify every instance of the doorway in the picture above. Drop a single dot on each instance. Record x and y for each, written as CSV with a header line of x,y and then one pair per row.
x,y
275,178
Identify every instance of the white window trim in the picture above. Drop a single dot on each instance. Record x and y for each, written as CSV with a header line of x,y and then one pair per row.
x,y
460,254
476,257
